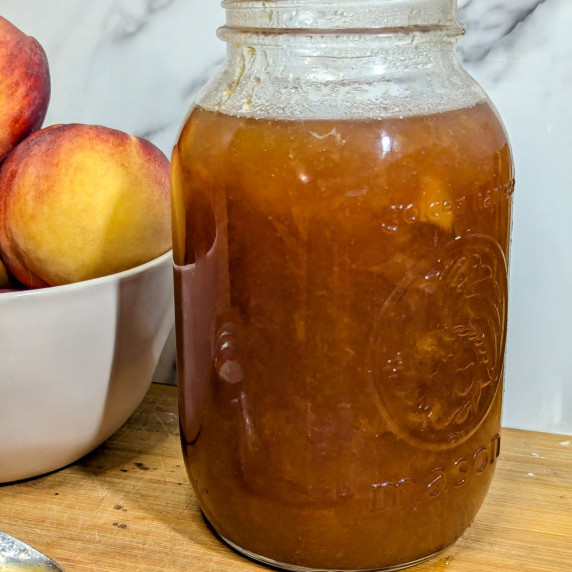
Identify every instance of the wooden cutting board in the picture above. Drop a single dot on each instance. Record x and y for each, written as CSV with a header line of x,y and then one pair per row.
x,y
128,507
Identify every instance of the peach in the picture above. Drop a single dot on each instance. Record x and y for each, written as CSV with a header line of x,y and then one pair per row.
x,y
82,201
24,86
5,281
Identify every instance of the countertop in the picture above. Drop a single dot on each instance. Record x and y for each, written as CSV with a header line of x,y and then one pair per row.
x,y
128,506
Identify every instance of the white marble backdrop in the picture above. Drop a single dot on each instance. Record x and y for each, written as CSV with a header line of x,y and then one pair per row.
x,y
136,64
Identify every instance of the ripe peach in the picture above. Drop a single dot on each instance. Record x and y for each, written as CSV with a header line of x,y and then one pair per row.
x,y
82,201
24,86
5,281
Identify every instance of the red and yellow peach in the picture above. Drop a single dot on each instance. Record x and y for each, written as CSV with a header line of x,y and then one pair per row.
x,y
82,201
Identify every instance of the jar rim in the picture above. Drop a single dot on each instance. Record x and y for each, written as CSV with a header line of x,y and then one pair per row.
x,y
341,14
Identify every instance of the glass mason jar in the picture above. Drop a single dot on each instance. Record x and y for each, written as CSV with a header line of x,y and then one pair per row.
x,y
341,215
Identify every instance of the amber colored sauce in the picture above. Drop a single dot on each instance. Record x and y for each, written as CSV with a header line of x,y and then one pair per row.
x,y
341,292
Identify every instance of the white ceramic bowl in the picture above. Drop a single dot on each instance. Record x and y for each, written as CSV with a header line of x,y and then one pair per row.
x,y
75,362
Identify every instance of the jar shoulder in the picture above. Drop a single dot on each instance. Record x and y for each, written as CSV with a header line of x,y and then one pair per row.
x,y
370,84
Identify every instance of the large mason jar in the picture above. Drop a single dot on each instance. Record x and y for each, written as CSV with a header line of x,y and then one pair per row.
x,y
341,215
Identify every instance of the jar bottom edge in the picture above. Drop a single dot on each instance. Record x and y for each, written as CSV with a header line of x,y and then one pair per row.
x,y
294,568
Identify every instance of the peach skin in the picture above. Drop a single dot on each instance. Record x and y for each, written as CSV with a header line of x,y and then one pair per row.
x,y
5,281
24,86
82,201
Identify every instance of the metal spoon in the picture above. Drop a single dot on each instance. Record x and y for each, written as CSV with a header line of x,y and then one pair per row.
x,y
17,556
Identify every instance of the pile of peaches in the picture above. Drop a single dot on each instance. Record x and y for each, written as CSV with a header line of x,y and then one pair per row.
x,y
76,201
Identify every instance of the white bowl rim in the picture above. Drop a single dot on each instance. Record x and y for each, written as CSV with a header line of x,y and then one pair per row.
x,y
117,276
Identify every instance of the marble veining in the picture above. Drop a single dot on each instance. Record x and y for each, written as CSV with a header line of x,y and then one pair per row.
x,y
127,21
492,23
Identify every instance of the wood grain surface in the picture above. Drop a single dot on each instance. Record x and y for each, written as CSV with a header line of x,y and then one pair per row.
x,y
128,506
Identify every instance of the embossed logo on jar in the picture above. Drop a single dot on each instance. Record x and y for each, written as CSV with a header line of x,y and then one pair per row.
x,y
439,342
408,492
440,210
